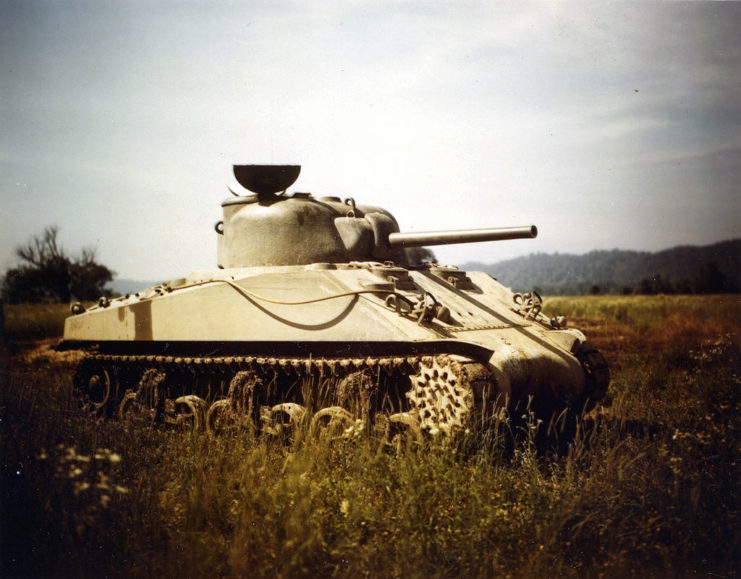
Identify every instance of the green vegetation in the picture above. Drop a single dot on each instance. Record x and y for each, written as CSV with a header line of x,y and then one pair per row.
x,y
47,274
684,270
722,311
34,321
648,486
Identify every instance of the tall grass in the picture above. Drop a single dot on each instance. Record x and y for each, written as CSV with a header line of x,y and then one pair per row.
x,y
34,321
646,487
647,312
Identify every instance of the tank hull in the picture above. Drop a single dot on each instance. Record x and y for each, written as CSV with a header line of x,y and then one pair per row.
x,y
337,322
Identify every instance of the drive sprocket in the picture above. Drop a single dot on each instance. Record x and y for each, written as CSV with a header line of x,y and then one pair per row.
x,y
441,395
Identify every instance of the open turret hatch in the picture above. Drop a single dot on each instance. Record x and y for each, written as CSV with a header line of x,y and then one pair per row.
x,y
266,179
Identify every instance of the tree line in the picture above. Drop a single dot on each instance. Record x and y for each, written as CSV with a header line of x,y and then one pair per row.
x,y
685,269
46,273
709,279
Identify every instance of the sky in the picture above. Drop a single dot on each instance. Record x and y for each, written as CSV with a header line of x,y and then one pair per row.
x,y
606,124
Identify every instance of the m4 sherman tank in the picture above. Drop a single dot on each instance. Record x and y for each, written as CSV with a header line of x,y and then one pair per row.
x,y
319,312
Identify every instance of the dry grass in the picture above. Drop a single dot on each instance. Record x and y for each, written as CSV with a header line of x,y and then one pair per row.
x,y
34,321
649,487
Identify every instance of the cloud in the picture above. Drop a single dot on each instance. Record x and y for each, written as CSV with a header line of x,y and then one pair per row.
x,y
121,120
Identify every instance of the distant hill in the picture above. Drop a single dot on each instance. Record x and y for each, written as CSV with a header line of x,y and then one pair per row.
x,y
130,286
683,269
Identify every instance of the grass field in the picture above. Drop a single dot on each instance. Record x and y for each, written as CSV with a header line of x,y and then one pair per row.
x,y
34,321
648,487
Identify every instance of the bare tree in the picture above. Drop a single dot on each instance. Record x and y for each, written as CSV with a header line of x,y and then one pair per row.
x,y
40,251
47,273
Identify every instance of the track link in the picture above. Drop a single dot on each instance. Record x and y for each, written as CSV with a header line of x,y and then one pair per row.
x,y
425,393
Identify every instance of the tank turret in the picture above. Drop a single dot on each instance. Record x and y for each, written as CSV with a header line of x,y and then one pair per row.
x,y
316,315
270,228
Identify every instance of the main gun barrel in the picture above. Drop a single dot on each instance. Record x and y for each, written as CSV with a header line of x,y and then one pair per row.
x,y
423,238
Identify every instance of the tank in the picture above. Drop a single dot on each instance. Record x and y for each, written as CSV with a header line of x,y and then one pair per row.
x,y
322,312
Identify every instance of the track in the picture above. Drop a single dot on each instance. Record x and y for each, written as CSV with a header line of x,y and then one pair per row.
x,y
415,394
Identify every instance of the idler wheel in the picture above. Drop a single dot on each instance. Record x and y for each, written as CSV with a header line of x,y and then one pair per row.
x,y
93,388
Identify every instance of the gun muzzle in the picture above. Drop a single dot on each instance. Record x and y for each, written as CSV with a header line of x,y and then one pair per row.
x,y
423,238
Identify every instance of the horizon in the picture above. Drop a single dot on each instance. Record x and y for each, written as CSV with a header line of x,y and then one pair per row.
x,y
607,125
489,264
568,254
